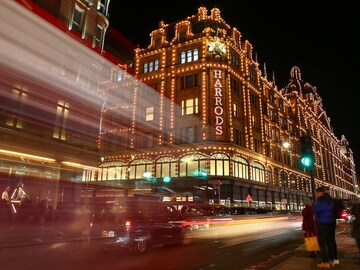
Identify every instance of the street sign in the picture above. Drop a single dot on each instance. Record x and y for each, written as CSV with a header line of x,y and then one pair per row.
x,y
249,198
216,183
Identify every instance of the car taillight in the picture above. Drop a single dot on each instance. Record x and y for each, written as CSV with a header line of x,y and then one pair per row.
x,y
128,225
91,224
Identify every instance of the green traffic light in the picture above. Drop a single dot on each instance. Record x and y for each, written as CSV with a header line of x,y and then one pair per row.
x,y
167,179
306,151
202,173
307,162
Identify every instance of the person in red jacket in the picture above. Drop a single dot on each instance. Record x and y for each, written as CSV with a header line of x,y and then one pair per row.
x,y
308,223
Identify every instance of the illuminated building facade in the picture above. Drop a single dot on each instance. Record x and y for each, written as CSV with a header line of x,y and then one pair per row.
x,y
211,118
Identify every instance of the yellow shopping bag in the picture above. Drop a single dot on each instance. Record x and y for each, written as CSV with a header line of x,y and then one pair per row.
x,y
312,243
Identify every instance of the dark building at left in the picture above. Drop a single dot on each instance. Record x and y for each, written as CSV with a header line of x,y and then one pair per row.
x,y
52,59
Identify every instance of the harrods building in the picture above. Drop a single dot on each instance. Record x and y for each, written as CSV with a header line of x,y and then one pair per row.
x,y
200,120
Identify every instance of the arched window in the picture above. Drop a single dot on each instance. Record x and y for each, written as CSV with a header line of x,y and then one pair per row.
x,y
183,57
151,66
293,180
284,179
113,171
165,166
138,167
189,56
191,164
257,172
156,64
146,67
276,177
269,176
240,168
196,54
219,164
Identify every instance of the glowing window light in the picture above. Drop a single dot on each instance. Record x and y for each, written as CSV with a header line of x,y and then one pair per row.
x,y
18,154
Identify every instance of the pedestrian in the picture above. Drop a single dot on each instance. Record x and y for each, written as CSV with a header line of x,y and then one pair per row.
x,y
356,227
5,198
5,206
308,222
20,193
338,207
324,216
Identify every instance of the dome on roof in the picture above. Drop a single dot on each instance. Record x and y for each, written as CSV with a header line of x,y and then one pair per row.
x,y
295,73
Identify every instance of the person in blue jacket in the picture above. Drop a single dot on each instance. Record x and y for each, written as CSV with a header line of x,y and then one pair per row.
x,y
324,217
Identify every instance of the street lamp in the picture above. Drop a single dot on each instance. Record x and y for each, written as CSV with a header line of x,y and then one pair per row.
x,y
284,145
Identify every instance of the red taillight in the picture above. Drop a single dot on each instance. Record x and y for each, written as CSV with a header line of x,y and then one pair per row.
x,y
91,224
128,225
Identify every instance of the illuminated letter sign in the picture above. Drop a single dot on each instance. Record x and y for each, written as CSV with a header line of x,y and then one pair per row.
x,y
218,109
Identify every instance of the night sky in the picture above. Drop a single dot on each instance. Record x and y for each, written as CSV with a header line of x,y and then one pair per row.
x,y
319,37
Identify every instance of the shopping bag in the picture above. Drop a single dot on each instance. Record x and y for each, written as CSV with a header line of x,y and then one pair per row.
x,y
312,243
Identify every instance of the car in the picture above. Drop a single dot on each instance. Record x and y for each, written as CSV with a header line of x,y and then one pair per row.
x,y
201,216
346,216
137,225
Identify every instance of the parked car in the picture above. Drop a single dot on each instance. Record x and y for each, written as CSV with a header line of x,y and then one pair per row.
x,y
138,225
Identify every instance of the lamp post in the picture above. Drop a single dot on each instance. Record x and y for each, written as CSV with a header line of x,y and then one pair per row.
x,y
284,145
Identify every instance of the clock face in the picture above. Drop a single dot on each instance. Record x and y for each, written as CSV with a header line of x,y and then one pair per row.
x,y
217,48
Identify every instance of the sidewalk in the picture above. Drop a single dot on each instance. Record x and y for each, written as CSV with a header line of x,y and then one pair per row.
x,y
347,253
18,237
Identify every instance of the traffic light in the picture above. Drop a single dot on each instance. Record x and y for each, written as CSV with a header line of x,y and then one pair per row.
x,y
166,179
202,173
306,151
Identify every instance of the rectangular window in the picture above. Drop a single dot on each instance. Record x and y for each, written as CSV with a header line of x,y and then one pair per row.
x,y
182,36
20,95
98,36
189,106
149,114
189,134
119,75
148,140
236,136
62,114
235,109
101,6
235,85
158,43
78,17
189,81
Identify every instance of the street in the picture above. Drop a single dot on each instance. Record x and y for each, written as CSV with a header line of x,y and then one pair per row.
x,y
244,244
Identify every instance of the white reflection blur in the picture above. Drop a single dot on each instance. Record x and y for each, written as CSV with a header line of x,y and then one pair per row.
x,y
246,229
33,48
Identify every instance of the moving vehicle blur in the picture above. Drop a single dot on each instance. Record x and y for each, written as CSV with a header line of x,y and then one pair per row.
x,y
138,224
203,215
